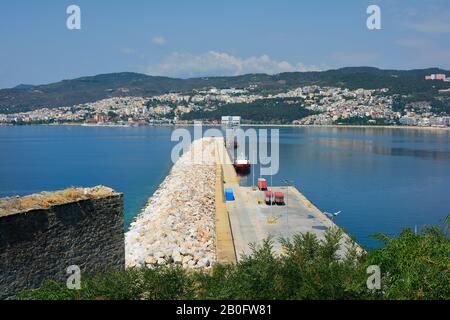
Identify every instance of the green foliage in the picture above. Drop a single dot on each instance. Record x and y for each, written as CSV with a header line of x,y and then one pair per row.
x,y
88,89
366,121
277,111
439,105
132,284
413,266
399,104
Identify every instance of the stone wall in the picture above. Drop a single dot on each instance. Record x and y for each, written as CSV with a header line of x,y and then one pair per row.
x,y
40,244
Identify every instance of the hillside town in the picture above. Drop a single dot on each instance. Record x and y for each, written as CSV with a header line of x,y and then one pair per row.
x,y
328,106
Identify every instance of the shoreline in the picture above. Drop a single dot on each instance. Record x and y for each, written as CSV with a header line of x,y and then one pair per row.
x,y
241,125
349,126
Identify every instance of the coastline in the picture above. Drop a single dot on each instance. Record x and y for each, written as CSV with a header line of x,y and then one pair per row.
x,y
346,126
241,125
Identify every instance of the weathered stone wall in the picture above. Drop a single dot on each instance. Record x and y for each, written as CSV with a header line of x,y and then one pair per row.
x,y
40,244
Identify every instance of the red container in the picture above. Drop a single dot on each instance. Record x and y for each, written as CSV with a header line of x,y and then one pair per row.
x,y
262,184
268,197
279,198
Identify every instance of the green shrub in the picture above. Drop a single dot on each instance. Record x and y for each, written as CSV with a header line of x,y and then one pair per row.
x,y
413,266
163,283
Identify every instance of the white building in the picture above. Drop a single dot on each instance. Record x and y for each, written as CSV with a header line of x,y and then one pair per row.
x,y
231,120
410,121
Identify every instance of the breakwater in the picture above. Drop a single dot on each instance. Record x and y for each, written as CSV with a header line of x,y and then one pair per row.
x,y
178,224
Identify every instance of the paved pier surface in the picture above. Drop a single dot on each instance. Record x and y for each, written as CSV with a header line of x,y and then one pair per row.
x,y
225,250
252,220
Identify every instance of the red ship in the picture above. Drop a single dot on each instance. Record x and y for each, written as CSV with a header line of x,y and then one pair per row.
x,y
241,164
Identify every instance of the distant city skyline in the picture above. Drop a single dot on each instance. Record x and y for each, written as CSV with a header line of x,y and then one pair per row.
x,y
205,38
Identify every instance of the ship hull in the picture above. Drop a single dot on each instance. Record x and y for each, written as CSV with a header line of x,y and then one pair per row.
x,y
241,167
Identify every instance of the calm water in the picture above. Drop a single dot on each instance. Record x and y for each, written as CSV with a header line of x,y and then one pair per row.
x,y
130,160
382,179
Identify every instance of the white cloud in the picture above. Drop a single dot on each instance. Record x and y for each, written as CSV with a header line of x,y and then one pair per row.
x,y
127,51
430,26
220,63
159,41
415,43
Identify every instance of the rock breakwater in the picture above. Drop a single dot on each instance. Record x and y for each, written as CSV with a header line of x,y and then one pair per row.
x,y
178,224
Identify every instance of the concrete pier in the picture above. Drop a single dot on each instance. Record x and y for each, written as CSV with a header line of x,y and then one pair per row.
x,y
252,220
225,251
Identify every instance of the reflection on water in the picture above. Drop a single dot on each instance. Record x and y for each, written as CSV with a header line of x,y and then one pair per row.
x,y
383,180
383,148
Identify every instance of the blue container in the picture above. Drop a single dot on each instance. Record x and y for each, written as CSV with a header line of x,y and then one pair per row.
x,y
229,196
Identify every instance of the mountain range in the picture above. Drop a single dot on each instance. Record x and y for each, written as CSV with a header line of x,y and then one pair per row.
x,y
93,88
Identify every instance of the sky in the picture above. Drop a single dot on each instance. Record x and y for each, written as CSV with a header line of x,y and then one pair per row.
x,y
205,38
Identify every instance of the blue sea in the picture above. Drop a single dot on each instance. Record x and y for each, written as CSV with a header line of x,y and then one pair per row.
x,y
382,180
